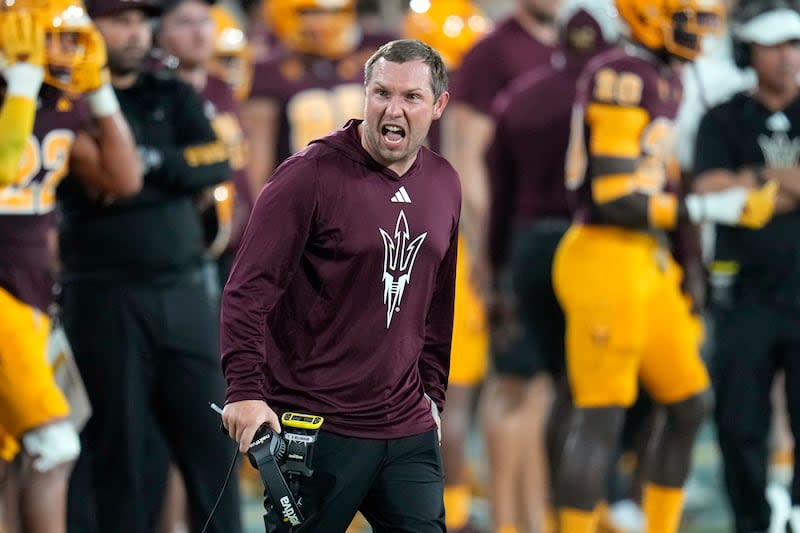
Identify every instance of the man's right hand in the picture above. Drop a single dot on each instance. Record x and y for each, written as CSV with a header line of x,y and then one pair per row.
x,y
242,420
22,39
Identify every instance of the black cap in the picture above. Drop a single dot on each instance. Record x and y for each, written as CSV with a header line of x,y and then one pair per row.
x,y
104,8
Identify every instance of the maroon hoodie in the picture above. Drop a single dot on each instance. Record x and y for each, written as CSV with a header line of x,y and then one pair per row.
x,y
340,302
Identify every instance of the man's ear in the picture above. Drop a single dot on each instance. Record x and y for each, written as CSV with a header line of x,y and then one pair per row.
x,y
440,104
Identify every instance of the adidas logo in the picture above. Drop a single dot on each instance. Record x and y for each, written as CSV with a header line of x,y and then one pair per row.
x,y
401,196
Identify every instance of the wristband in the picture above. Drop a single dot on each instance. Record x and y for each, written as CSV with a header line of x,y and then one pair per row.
x,y
103,101
695,206
25,80
662,211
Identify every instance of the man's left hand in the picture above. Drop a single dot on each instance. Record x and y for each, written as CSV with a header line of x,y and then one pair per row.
x,y
436,418
92,73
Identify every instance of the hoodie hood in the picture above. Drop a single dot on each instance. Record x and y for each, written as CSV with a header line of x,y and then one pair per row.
x,y
348,141
586,28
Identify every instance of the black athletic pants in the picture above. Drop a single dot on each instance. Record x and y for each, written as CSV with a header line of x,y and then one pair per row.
x,y
752,341
397,484
148,354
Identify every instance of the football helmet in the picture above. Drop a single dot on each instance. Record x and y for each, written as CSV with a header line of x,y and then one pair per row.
x,y
326,28
677,26
233,58
449,26
75,51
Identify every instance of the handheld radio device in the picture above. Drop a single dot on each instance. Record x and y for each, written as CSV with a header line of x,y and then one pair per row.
x,y
283,461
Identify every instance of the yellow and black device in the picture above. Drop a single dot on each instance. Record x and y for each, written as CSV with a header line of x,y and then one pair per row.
x,y
300,433
723,283
283,460
301,421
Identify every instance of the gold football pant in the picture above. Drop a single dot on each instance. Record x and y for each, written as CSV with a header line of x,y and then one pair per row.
x,y
29,396
627,319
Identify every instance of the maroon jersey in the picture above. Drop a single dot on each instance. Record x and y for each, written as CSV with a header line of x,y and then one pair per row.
x,y
345,308
223,113
26,207
316,95
508,51
623,123
526,158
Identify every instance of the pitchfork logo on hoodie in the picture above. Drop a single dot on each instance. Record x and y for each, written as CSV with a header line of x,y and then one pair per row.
x,y
399,253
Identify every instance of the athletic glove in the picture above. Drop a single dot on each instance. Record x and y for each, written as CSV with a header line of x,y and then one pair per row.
x,y
736,206
760,206
92,71
94,79
24,54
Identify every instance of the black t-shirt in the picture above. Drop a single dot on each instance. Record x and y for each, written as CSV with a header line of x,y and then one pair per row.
x,y
741,133
158,230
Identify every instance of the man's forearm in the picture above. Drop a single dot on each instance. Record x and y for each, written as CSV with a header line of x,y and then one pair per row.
x,y
720,179
473,223
190,168
118,156
466,138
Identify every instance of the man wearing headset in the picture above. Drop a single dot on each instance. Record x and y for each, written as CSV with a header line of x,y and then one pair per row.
x,y
755,136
